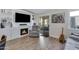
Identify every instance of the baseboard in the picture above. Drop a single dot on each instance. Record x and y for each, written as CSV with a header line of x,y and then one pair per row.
x,y
55,37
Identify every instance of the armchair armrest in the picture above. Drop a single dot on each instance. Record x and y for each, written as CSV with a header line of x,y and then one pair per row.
x,y
3,42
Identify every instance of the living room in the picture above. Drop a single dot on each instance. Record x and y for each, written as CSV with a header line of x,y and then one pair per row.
x,y
36,29
39,29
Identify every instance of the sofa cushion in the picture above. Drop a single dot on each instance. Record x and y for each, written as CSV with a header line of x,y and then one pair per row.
x,y
75,38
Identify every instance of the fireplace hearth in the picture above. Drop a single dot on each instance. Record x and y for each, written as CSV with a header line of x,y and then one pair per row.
x,y
23,31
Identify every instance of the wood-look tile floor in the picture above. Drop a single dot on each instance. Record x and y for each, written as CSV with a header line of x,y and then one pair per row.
x,y
41,43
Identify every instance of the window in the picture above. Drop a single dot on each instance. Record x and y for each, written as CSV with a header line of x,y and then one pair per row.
x,y
74,19
74,13
77,21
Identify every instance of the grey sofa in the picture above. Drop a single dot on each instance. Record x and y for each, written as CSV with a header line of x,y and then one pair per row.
x,y
34,32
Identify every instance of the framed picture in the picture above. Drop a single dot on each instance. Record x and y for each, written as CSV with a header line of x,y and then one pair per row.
x,y
58,18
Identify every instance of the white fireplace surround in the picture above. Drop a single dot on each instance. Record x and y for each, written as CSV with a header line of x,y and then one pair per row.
x,y
14,32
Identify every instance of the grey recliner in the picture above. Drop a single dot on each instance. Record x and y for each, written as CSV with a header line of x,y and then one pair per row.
x,y
35,31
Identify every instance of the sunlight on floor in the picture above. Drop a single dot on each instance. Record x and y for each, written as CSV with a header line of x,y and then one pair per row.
x,y
42,41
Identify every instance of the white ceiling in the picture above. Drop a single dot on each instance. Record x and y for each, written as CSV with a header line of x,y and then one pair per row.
x,y
40,11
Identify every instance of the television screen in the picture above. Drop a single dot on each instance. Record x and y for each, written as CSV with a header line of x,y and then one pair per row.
x,y
22,17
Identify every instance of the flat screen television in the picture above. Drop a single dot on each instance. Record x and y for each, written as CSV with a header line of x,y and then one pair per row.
x,y
19,17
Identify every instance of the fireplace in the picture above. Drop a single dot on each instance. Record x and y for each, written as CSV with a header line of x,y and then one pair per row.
x,y
24,31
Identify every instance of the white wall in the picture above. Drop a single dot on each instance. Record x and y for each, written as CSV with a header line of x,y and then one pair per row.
x,y
10,13
36,19
14,31
56,28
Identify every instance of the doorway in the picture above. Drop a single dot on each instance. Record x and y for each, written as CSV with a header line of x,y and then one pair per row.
x,y
44,25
